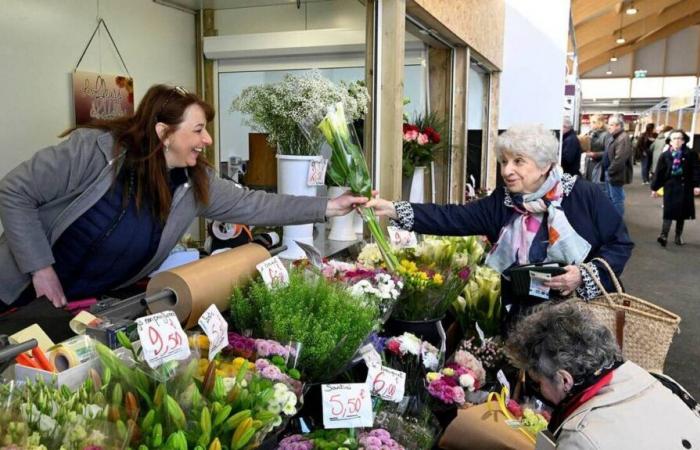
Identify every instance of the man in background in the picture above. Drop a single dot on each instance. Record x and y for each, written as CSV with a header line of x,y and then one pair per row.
x,y
618,162
570,149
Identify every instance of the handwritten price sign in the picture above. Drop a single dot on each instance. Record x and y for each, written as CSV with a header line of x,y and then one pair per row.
x,y
317,172
402,238
386,382
162,338
273,271
216,329
346,406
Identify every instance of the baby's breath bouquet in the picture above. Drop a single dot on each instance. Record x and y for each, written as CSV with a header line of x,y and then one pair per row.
x,y
278,108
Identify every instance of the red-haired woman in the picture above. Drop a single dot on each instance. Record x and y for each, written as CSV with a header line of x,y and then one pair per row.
x,y
105,207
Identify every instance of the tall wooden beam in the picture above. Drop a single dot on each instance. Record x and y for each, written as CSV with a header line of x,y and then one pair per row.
x,y
458,155
386,56
440,90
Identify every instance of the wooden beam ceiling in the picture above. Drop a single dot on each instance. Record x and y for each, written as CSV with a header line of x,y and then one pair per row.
x,y
654,35
637,30
608,24
585,10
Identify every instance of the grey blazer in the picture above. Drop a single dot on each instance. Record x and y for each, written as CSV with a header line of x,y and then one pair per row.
x,y
41,197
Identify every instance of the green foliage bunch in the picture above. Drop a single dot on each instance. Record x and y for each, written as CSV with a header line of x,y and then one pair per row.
x,y
328,321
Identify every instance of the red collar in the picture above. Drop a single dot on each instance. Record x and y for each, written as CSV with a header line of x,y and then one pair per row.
x,y
587,394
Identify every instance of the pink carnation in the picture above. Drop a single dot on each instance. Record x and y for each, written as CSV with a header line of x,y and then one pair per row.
x,y
410,135
422,139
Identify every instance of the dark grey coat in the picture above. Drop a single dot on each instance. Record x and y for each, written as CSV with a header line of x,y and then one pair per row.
x,y
679,202
41,197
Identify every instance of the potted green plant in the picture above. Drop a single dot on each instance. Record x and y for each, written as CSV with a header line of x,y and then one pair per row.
x,y
279,109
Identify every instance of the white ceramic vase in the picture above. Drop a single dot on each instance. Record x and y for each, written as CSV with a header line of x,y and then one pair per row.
x,y
292,175
418,185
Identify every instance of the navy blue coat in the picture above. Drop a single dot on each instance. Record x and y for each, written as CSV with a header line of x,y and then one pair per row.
x,y
571,153
587,208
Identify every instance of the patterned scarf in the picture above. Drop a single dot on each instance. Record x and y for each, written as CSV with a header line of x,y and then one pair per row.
x,y
515,240
677,155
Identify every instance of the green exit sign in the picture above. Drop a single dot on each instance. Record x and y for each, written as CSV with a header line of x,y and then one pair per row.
x,y
640,73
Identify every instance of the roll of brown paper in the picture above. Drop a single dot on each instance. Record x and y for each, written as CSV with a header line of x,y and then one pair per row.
x,y
210,280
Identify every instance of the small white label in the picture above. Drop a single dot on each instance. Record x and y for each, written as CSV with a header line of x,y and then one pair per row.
x,y
537,287
273,272
370,355
216,328
346,406
162,338
501,377
317,172
401,238
385,382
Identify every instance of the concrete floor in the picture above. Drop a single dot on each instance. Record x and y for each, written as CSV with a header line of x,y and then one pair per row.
x,y
667,277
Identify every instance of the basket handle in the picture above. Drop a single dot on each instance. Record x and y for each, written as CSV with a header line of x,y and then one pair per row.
x,y
613,277
601,288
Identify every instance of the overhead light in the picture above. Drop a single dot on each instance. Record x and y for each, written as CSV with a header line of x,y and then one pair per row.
x,y
613,59
620,40
631,10
609,72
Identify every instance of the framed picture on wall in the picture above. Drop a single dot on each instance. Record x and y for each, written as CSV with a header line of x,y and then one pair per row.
x,y
102,96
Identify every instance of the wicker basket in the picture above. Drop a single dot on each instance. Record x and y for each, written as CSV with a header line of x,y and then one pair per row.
x,y
643,330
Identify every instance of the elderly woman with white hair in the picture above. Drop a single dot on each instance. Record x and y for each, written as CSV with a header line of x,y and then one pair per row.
x,y
541,215
599,401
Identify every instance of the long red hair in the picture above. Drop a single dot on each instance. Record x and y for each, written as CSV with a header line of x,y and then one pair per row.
x,y
136,136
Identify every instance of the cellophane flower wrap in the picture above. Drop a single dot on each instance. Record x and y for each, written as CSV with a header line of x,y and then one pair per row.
x,y
480,303
348,168
434,274
191,408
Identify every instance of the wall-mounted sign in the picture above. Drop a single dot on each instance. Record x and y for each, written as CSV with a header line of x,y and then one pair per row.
x,y
102,96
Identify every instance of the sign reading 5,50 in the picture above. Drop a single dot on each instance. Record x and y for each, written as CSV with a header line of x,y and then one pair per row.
x,y
346,405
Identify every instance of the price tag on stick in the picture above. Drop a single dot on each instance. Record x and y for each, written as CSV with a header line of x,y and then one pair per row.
x,y
216,328
317,172
273,272
162,338
346,406
386,382
401,238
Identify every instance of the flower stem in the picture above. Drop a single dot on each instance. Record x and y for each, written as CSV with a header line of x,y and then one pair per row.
x,y
385,249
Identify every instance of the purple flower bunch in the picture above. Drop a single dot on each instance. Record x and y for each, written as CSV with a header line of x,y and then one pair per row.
x,y
239,345
266,348
378,439
268,370
295,442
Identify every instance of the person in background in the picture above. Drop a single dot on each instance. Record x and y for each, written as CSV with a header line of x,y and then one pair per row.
x,y
570,150
541,214
617,162
644,142
600,401
659,145
104,208
678,172
599,140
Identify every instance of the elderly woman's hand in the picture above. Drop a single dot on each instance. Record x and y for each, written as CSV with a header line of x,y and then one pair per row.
x,y
382,208
567,282
343,204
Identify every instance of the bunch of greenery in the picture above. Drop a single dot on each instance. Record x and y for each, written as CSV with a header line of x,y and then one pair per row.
x,y
328,321
279,108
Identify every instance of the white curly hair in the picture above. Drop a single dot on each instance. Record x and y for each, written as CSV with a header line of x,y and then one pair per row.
x,y
532,141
